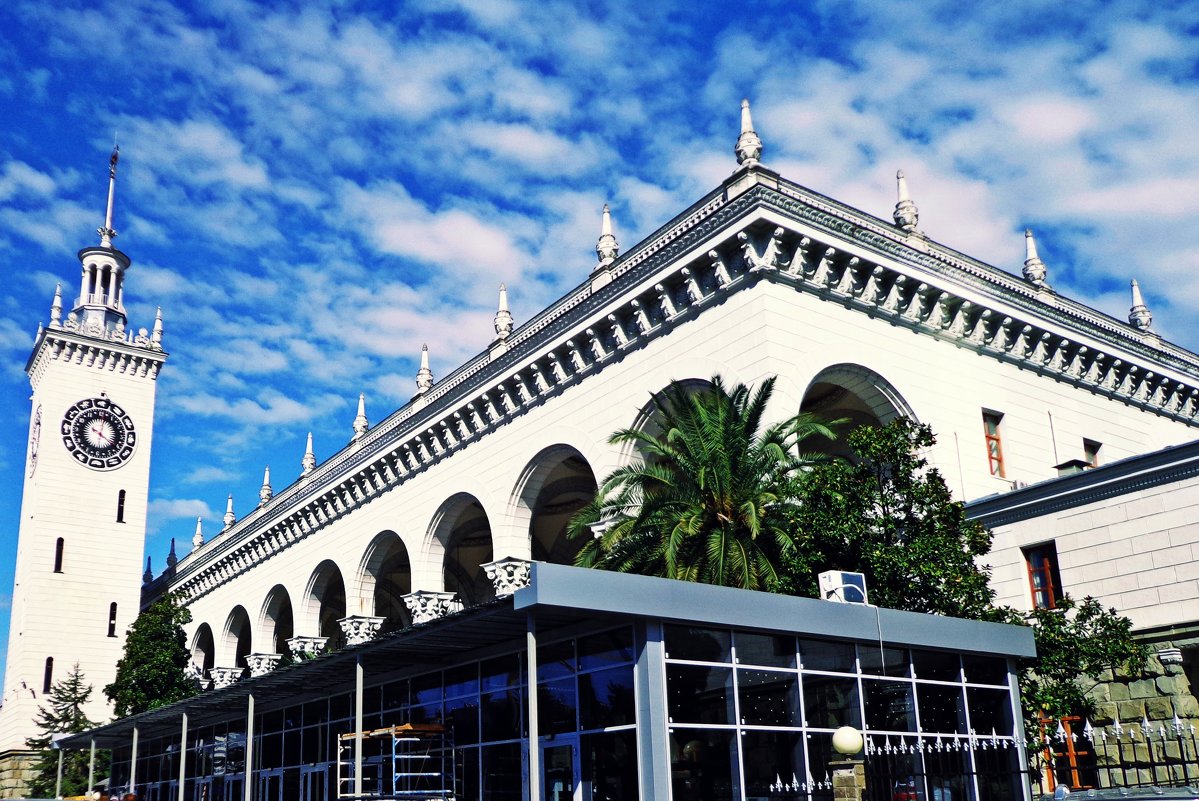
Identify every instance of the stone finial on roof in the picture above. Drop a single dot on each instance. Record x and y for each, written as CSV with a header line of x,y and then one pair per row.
x,y
198,537
156,333
503,317
424,376
1034,268
749,144
606,248
172,559
1139,315
265,492
308,463
361,424
906,214
56,307
230,518
148,576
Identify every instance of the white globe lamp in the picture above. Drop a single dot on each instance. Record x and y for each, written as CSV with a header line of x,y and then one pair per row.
x,y
847,740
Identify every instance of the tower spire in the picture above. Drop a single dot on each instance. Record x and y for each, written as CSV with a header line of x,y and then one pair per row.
x,y
749,144
107,234
906,214
606,248
361,424
503,317
424,376
1034,268
308,463
1139,315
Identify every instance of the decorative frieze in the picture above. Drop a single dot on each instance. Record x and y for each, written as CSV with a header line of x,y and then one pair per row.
x,y
307,647
508,574
261,664
225,676
426,605
360,628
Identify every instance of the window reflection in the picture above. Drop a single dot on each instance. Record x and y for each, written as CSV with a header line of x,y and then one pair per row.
x,y
698,694
831,702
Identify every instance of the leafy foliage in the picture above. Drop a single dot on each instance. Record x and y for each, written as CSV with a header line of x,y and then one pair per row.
x,y
707,500
63,714
888,515
152,672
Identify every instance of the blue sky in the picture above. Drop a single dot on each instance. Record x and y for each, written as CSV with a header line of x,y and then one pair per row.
x,y
313,190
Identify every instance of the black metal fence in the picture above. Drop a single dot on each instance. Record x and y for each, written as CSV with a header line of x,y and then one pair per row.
x,y
1073,752
951,768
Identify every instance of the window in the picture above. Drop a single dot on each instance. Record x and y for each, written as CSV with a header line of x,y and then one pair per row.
x,y
112,619
1090,452
991,422
48,677
121,506
1043,578
58,546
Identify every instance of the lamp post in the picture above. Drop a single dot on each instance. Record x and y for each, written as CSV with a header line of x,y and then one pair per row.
x,y
849,772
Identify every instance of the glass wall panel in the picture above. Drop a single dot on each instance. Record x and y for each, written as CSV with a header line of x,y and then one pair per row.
x,y
767,650
697,644
556,705
768,698
885,661
704,765
942,708
822,655
937,666
463,715
774,765
501,714
831,702
607,648
555,660
606,698
502,772
990,711
698,694
609,765
502,671
981,669
395,695
889,705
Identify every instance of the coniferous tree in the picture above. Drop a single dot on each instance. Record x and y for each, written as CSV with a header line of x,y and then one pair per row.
x,y
153,670
63,714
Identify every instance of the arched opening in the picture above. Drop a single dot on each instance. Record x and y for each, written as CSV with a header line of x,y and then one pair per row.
x,y
557,483
121,506
112,619
278,624
48,676
462,528
327,602
203,650
855,393
386,577
237,640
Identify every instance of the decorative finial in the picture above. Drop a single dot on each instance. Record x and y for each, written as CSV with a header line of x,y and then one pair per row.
x,y
156,332
1034,268
749,145
198,537
361,424
503,318
906,214
107,234
148,576
230,518
424,376
1139,315
308,463
172,559
606,248
265,492
56,307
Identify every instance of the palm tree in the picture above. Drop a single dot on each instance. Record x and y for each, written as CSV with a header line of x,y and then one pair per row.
x,y
707,501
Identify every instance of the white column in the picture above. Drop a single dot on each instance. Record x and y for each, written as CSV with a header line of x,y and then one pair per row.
x,y
83,284
58,779
249,774
133,763
534,736
91,767
358,675
112,286
182,756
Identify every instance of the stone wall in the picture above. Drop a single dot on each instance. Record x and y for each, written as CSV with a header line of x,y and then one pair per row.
x,y
16,770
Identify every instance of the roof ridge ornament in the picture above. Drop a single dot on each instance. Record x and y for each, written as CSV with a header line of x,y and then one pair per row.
x,y
361,424
198,537
230,518
265,491
106,232
1034,269
749,144
308,463
503,317
906,214
56,307
172,557
606,248
1139,315
424,376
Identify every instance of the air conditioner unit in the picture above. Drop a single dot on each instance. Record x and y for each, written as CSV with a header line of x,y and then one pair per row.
x,y
843,587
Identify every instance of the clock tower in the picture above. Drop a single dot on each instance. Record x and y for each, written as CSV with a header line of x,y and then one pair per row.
x,y
83,511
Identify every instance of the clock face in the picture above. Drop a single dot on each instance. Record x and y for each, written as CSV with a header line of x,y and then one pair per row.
x,y
98,433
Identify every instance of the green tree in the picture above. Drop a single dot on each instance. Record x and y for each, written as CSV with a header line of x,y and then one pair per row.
x,y
153,670
63,714
707,502
887,514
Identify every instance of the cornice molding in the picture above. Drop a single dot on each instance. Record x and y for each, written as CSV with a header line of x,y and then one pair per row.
x,y
102,354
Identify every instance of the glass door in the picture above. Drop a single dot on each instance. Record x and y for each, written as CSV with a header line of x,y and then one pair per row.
x,y
560,770
270,785
314,783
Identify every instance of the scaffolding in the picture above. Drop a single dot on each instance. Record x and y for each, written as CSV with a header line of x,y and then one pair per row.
x,y
414,762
